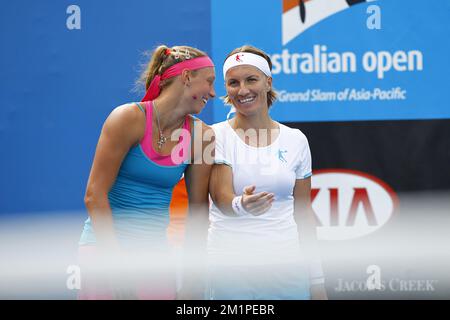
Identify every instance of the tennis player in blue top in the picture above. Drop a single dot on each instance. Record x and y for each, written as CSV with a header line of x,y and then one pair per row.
x,y
143,151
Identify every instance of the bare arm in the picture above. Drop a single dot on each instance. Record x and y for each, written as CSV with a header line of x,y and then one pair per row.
x,y
197,177
121,130
306,223
221,188
222,193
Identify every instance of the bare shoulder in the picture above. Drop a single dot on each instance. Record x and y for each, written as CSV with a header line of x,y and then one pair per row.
x,y
126,120
126,113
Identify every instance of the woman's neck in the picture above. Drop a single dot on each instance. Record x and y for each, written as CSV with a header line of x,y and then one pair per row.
x,y
256,121
170,111
257,130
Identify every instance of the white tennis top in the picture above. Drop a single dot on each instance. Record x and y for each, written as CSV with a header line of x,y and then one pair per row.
x,y
274,169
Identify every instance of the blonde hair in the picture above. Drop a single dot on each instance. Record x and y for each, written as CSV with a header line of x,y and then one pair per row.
x,y
162,59
271,95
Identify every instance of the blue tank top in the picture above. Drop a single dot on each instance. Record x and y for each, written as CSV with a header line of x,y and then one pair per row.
x,y
139,200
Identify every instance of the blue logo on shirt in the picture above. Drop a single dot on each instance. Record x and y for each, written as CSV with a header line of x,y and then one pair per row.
x,y
281,156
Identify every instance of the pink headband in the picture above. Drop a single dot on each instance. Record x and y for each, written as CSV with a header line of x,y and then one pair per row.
x,y
175,70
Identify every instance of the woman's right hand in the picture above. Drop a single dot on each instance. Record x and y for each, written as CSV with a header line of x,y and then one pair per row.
x,y
256,204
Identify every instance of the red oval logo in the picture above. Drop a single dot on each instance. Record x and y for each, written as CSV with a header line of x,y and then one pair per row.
x,y
350,204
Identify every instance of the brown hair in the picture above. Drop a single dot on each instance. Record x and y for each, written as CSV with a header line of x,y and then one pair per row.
x,y
271,95
162,59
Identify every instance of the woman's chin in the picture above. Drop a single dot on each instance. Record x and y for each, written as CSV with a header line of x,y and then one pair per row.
x,y
247,109
196,109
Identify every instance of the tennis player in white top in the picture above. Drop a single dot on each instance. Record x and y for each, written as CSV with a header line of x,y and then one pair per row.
x,y
261,240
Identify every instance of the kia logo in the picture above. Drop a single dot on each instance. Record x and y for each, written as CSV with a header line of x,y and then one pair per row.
x,y
349,204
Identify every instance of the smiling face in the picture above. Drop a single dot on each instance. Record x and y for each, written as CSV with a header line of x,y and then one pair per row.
x,y
201,88
247,89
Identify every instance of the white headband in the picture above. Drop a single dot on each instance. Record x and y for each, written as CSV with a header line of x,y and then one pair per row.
x,y
246,58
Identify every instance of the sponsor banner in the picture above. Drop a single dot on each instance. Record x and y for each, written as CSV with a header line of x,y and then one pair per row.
x,y
350,204
410,155
343,60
